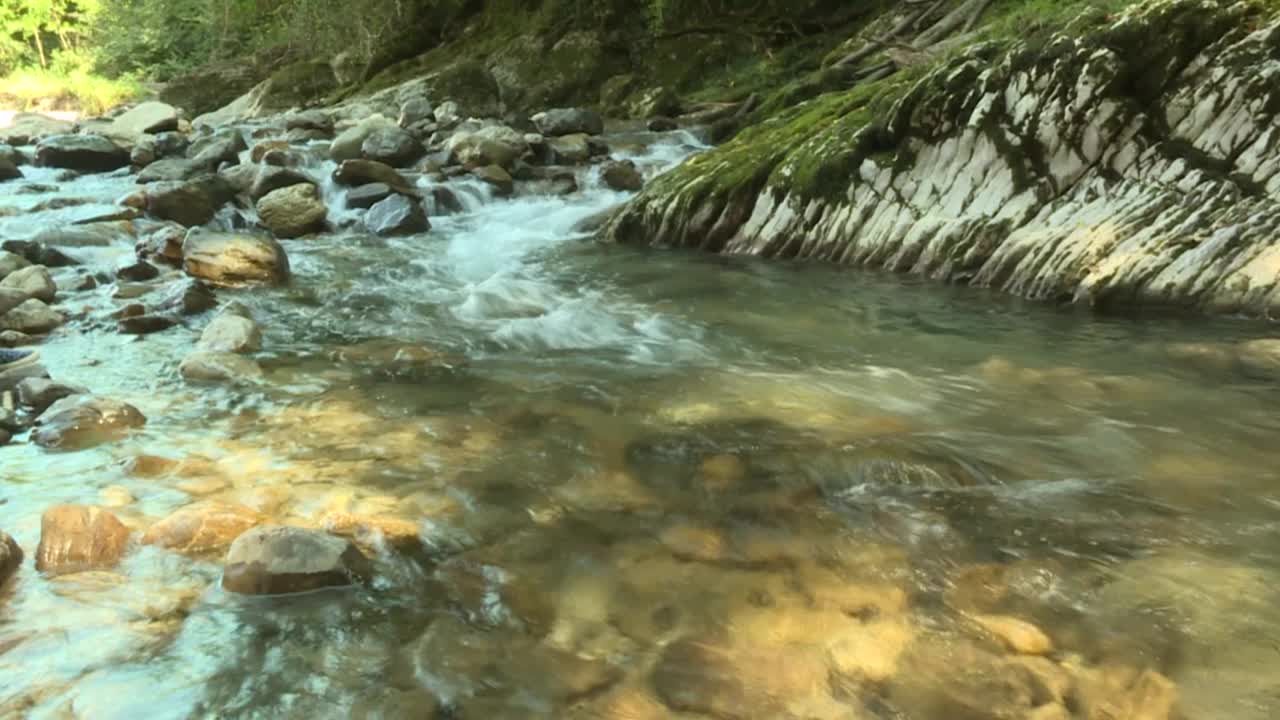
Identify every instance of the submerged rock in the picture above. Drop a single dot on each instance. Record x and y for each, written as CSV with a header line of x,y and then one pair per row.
x,y
220,367
278,560
79,422
10,555
231,334
234,259
203,527
76,538
84,153
622,175
397,215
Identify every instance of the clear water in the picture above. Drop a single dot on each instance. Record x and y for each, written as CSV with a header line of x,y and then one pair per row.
x,y
631,449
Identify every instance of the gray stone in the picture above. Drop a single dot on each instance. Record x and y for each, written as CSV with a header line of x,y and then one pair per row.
x,y
623,176
314,120
188,297
10,262
414,111
171,144
293,211
171,169
365,196
348,144
568,121
32,317
31,128
39,394
229,333
397,215
39,253
83,421
10,553
147,117
84,153
569,149
493,145
145,324
220,367
137,271
234,259
355,173
393,146
11,298
271,178
278,560
212,151
190,202
9,169
497,178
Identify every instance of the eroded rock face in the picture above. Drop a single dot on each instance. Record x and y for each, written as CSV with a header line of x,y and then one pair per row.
x,y
1044,173
203,527
234,259
77,422
278,560
75,538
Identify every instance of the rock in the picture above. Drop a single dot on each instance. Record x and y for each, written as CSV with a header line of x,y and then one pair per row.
x,y
1261,358
162,245
737,683
659,101
366,196
366,172
9,169
348,144
234,259
38,253
143,152
596,221
84,421
1018,635
569,150
137,271
1106,693
397,215
13,338
146,118
188,297
223,146
316,120
32,317
260,150
662,124
10,555
414,111
189,203
448,114
11,263
293,211
947,679
231,334
270,178
96,234
84,153
171,144
394,531
145,324
623,176
497,178
568,121
76,538
202,528
34,281
278,560
31,128
218,367
393,146
494,145
443,201
171,169
39,394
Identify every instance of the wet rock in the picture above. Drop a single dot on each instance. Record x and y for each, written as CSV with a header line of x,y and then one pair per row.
x,y
76,538
736,683
39,394
1118,692
260,150
234,259
366,196
143,153
11,298
239,177
203,527
32,317
188,297
224,146
356,173
397,215
34,281
951,679
84,153
270,178
1018,635
623,176
146,118
171,170
293,211
278,560
10,555
220,367
12,339
568,121
31,128
9,169
662,124
189,203
494,145
1261,358
38,253
96,234
163,245
443,201
137,271
348,145
393,146
314,120
84,421
132,310
11,263
145,324
497,178
569,150
171,144
231,334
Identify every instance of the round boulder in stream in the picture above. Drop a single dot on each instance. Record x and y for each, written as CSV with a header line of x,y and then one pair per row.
x,y
567,121
84,421
234,259
279,560
189,203
293,211
357,173
84,153
393,146
366,196
397,215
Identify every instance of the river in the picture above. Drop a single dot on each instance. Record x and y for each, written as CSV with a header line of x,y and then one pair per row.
x,y
634,468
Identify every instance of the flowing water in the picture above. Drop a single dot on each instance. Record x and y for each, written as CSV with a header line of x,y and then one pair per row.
x,y
644,480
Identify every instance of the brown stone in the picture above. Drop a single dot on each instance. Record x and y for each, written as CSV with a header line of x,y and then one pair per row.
x,y
738,683
202,527
1018,635
395,531
10,556
74,538
277,560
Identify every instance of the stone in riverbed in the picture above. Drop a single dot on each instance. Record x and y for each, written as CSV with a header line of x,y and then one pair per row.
x,y
34,281
349,144
366,196
137,271
569,150
189,203
38,252
76,538
738,683
316,120
145,324
234,259
220,367
493,145
188,297
1019,636
260,150
171,169
9,169
279,560
202,527
29,128
397,215
11,263
223,146
84,421
11,298
293,211
146,118
355,173
231,334
497,178
32,317
85,153
393,146
10,555
567,121
270,178
623,176
39,394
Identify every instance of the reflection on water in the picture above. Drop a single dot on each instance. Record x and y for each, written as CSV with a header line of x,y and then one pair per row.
x,y
609,483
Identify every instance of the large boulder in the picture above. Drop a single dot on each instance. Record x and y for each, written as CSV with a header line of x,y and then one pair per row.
x,y
76,538
39,394
32,317
492,145
366,196
293,211
277,560
10,555
393,146
83,421
31,128
309,120
350,143
146,118
10,299
84,153
33,280
174,168
234,259
568,121
188,297
572,149
203,527
397,215
223,146
229,333
355,173
220,367
10,263
623,176
270,178
189,203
